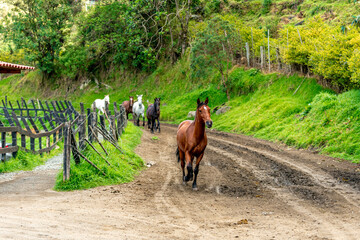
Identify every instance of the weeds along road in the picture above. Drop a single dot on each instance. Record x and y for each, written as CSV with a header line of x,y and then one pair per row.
x,y
248,189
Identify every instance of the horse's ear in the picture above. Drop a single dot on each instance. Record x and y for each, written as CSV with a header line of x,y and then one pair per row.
x,y
206,100
198,101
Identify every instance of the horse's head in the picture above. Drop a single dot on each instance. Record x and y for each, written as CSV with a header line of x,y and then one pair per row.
x,y
131,101
157,105
139,99
107,98
203,111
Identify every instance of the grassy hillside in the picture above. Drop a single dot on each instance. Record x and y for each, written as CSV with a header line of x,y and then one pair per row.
x,y
265,106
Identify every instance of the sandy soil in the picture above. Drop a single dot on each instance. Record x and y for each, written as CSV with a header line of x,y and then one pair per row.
x,y
248,189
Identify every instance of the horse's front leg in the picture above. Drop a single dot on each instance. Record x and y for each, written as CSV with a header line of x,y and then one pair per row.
x,y
143,120
189,169
158,125
152,125
196,171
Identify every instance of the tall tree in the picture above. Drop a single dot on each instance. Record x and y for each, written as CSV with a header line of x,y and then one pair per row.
x,y
39,27
214,47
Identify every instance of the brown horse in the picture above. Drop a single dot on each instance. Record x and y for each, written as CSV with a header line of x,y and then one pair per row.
x,y
128,105
192,141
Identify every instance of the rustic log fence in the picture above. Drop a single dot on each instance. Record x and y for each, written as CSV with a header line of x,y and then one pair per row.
x,y
108,126
45,124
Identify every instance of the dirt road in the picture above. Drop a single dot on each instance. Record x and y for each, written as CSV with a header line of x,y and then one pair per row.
x,y
248,189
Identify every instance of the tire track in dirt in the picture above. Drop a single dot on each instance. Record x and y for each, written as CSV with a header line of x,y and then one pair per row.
x,y
280,200
327,189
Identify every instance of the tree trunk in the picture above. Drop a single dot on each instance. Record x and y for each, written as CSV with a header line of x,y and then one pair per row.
x,y
224,81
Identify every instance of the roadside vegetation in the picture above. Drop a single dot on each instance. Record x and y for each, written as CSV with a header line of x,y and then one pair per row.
x,y
124,167
182,50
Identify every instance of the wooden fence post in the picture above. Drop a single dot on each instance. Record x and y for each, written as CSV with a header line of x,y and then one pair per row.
x,y
89,115
3,143
82,127
37,131
13,134
116,120
102,123
112,127
247,53
66,166
262,57
269,50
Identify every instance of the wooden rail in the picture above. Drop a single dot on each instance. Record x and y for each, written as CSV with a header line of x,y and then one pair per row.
x,y
112,127
28,124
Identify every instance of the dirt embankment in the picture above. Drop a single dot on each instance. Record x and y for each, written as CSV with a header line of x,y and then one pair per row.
x,y
248,189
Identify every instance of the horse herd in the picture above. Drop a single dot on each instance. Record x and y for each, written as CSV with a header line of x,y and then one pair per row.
x,y
137,109
191,135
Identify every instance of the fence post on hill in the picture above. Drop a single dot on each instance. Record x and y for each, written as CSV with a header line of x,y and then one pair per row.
x,y
112,127
261,57
116,121
36,110
48,143
269,50
94,120
67,152
252,48
82,126
6,101
36,131
13,134
247,53
102,123
3,142
89,116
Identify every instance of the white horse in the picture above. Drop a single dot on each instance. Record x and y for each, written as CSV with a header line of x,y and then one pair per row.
x,y
100,103
138,109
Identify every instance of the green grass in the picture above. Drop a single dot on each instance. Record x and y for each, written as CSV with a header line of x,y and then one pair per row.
x,y
27,161
263,106
124,166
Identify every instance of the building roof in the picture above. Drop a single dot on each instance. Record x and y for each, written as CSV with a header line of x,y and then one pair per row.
x,y
13,68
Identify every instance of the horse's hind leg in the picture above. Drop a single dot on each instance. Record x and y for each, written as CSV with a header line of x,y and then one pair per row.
x,y
196,171
182,159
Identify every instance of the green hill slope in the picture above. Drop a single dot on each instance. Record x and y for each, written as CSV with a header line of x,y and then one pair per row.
x,y
265,106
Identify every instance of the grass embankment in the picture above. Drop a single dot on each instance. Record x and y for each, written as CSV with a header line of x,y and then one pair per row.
x,y
264,106
123,166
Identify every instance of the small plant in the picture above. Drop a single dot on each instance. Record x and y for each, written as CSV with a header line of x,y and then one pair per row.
x,y
155,138
356,21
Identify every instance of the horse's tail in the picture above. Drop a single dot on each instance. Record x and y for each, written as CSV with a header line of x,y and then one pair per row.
x,y
177,154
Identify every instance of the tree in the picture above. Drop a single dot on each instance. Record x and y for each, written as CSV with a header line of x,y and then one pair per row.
x,y
39,27
214,47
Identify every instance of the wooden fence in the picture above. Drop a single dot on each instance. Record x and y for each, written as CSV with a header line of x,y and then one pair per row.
x,y
43,127
108,126
39,128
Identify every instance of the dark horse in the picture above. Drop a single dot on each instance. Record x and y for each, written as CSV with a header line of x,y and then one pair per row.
x,y
192,141
153,114
128,105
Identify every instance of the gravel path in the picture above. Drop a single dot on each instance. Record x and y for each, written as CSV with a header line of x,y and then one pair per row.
x,y
54,163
